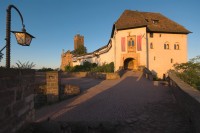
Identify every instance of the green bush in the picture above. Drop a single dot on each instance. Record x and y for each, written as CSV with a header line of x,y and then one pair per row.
x,y
104,68
44,69
91,67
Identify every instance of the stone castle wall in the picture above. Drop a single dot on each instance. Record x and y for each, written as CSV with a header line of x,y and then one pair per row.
x,y
17,99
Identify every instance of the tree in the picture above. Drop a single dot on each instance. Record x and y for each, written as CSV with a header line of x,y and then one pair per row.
x,y
80,50
189,71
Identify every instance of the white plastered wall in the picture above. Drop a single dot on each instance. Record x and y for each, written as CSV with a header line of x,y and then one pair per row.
x,y
160,58
124,33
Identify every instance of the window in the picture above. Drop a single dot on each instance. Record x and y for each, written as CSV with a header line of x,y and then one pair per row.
x,y
151,35
129,43
154,58
176,46
151,45
172,60
166,46
160,35
155,21
132,43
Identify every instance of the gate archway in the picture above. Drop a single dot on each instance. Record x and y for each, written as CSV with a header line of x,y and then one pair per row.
x,y
129,63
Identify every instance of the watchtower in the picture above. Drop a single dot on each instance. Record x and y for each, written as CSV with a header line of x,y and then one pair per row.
x,y
78,41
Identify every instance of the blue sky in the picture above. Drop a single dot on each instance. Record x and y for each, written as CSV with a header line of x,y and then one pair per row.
x,y
54,23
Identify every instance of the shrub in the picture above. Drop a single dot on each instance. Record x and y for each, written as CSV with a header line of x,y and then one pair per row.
x,y
104,68
68,68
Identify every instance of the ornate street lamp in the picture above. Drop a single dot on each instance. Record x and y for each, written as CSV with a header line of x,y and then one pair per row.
x,y
23,38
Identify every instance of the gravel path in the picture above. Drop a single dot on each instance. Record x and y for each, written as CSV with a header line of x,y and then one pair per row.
x,y
143,105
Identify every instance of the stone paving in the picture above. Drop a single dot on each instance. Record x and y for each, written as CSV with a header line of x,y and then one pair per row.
x,y
140,105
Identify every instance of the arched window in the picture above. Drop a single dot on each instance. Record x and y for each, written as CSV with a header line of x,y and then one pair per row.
x,y
177,46
174,46
129,43
165,46
132,43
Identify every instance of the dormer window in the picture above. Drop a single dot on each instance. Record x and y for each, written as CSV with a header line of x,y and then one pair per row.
x,y
147,20
155,21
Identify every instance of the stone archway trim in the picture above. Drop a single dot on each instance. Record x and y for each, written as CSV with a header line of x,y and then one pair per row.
x,y
135,56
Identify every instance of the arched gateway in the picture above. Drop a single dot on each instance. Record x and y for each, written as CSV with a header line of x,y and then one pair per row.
x,y
129,63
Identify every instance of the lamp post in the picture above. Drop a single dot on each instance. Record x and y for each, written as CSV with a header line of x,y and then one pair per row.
x,y
23,38
1,54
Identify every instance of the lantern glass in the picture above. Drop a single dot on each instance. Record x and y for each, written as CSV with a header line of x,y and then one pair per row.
x,y
23,38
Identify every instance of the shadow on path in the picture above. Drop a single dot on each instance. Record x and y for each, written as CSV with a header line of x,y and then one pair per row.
x,y
132,102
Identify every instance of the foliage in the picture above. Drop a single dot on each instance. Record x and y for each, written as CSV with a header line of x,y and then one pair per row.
x,y
189,72
90,67
25,65
80,50
86,67
104,68
44,69
68,68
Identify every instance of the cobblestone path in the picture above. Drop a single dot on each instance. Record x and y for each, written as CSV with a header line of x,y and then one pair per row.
x,y
142,106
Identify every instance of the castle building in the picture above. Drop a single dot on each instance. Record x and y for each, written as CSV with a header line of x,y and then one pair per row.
x,y
141,39
66,59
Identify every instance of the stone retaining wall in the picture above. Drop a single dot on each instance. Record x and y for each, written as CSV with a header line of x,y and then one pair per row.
x,y
47,89
188,99
16,99
147,74
40,97
106,76
53,83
